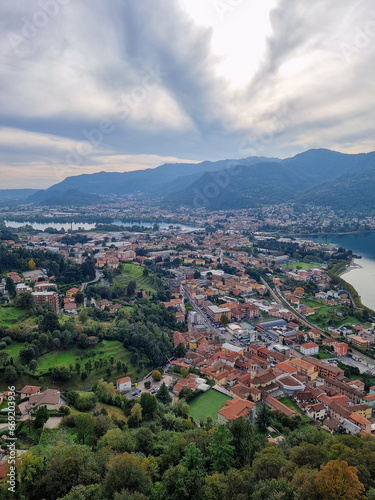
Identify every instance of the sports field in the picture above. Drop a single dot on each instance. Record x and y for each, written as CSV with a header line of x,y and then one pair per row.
x,y
207,405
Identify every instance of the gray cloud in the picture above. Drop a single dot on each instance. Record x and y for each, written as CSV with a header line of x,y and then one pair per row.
x,y
150,71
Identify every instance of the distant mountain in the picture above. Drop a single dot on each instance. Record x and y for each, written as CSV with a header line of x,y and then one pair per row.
x,y
300,178
15,195
355,191
151,182
63,198
317,176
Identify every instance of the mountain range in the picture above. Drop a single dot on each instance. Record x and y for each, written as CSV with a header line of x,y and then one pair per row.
x,y
317,176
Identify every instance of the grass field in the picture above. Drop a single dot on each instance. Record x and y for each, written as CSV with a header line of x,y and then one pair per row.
x,y
104,349
11,315
14,349
207,405
132,272
299,265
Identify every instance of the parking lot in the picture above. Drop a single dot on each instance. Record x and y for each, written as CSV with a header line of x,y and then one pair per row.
x,y
137,391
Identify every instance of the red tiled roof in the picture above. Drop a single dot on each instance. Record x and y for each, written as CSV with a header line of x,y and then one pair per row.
x,y
236,408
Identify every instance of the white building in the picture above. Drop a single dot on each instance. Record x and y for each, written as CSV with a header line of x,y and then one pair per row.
x,y
310,349
124,384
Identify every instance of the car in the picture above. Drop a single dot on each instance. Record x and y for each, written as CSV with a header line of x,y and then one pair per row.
x,y
134,393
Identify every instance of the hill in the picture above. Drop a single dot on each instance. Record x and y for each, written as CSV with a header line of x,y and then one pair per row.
x,y
156,182
314,176
319,176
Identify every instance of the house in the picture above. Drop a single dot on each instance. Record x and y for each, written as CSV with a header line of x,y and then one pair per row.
x,y
71,292
124,384
28,390
304,368
324,369
50,398
341,348
360,343
361,421
227,348
310,349
316,411
236,408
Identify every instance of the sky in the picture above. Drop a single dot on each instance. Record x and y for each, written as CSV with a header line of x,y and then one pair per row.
x,y
119,85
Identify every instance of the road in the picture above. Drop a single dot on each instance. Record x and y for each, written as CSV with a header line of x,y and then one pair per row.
x,y
203,319
98,275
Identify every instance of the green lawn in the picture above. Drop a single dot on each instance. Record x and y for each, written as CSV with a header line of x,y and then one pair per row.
x,y
300,265
14,349
11,315
70,356
135,273
110,347
207,405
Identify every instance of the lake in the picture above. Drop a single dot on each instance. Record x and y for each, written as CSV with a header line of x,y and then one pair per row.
x,y
78,226
362,278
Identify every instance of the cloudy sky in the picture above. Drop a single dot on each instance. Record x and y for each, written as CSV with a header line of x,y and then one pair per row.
x,y
117,85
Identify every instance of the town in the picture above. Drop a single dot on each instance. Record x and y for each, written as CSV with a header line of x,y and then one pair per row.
x,y
255,326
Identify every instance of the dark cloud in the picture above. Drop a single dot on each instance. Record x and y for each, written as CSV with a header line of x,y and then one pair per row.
x,y
149,70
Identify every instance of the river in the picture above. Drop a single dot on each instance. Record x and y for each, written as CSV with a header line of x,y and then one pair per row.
x,y
362,277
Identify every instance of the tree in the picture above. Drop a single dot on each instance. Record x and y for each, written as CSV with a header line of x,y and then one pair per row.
x,y
149,404
32,365
304,480
79,297
82,341
156,375
41,417
61,373
83,316
163,394
246,441
30,469
268,463
25,301
144,441
28,352
31,265
101,424
130,289
185,481
221,449
180,350
224,320
126,471
273,490
339,481
83,492
135,415
264,417
50,322
308,454
85,427
184,372
10,374
117,440
10,286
